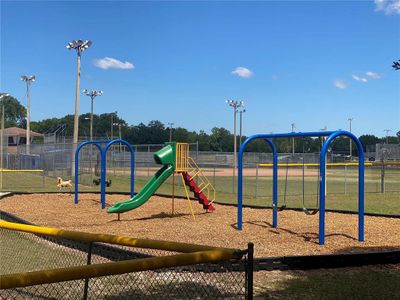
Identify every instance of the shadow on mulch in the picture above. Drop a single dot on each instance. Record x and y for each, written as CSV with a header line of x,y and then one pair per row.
x,y
307,236
159,216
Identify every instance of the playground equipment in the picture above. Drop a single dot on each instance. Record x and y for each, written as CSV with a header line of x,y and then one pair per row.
x,y
331,135
174,158
103,155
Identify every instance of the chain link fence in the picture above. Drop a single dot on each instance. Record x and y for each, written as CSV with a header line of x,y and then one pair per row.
x,y
56,159
37,252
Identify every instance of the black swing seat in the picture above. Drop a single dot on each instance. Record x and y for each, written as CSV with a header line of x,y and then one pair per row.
x,y
310,212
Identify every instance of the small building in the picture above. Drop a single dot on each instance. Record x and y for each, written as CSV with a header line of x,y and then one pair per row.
x,y
17,136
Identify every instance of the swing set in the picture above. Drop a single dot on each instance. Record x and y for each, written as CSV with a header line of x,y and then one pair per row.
x,y
307,211
329,137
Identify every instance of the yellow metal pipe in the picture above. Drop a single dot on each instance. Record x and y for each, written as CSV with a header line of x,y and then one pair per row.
x,y
317,165
107,238
112,268
24,171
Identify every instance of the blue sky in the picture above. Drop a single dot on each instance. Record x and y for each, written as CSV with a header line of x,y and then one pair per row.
x,y
312,63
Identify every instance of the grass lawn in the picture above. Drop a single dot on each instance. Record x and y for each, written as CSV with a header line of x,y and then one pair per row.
x,y
341,190
20,252
371,282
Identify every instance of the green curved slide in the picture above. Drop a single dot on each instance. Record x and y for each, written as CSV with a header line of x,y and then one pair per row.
x,y
166,157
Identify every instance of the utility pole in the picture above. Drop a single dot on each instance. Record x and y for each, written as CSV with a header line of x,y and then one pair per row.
x,y
28,80
350,140
387,135
241,112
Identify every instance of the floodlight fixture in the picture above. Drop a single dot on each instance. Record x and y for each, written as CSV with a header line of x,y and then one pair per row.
x,y
92,94
79,45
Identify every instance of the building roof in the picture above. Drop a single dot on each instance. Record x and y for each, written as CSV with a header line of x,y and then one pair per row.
x,y
16,131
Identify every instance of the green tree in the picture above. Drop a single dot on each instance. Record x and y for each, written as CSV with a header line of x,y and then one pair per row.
x,y
221,140
368,140
14,112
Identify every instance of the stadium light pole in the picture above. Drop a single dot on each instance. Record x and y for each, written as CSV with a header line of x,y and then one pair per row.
x,y
293,127
350,140
241,112
170,131
112,124
235,104
79,46
28,80
92,94
387,135
2,138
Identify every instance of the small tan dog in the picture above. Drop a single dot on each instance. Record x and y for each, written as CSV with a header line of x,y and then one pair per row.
x,y
63,184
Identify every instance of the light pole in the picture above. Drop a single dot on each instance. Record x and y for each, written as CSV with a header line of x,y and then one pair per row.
x,y
170,131
119,129
241,112
79,46
92,94
350,141
112,124
28,80
293,126
387,135
235,105
2,139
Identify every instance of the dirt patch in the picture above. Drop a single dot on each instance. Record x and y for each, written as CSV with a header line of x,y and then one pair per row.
x,y
297,233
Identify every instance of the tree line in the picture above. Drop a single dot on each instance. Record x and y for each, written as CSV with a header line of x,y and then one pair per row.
x,y
155,132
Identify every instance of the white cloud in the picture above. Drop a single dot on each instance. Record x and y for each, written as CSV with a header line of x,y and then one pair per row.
x,y
340,84
242,72
112,63
357,78
373,75
390,7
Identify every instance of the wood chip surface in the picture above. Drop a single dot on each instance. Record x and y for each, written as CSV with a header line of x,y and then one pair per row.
x,y
297,233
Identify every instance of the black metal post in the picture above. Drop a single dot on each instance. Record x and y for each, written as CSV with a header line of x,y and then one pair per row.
x,y
89,260
250,270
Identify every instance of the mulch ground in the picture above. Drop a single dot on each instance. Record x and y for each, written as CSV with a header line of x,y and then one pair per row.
x,y
297,233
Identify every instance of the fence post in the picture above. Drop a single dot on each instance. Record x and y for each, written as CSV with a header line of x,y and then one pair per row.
x,y
382,176
89,260
256,181
250,270
345,179
214,178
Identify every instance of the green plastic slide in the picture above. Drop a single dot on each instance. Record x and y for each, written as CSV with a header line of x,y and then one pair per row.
x,y
166,157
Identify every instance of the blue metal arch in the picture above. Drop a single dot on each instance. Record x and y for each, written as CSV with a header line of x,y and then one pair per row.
x,y
322,187
331,136
103,168
78,149
103,152
274,182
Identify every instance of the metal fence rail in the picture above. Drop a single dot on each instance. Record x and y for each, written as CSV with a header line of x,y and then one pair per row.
x,y
74,265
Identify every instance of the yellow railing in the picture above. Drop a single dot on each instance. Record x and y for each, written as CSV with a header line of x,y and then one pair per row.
x,y
182,155
348,164
315,164
196,254
203,183
20,171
